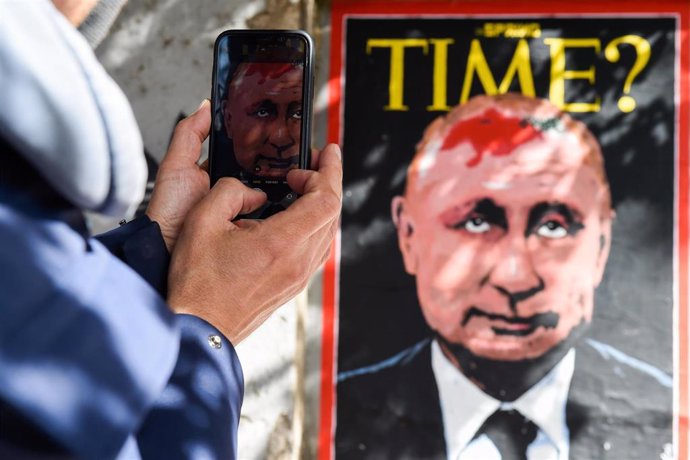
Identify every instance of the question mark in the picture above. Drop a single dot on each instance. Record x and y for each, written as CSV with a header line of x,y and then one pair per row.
x,y
644,50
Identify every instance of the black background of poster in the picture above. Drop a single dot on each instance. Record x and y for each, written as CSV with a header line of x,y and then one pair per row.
x,y
378,310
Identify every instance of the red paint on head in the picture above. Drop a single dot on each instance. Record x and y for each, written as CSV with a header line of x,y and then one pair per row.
x,y
490,132
268,70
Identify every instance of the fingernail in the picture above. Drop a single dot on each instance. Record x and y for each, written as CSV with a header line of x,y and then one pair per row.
x,y
203,104
338,152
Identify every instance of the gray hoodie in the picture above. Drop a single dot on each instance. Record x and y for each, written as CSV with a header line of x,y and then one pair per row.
x,y
64,114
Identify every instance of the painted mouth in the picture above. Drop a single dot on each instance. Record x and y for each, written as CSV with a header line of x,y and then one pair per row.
x,y
281,165
278,163
514,332
514,325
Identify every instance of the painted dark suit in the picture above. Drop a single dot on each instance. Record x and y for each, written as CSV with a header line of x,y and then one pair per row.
x,y
618,408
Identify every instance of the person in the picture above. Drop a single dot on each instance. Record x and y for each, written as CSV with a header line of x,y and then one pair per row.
x,y
262,115
505,223
122,346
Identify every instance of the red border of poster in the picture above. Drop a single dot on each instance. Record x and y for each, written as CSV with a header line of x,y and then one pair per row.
x,y
681,8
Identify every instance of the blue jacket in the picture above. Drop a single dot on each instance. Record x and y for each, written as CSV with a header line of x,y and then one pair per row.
x,y
93,364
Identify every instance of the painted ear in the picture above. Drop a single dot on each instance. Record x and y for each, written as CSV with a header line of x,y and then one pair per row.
x,y
604,247
405,230
226,118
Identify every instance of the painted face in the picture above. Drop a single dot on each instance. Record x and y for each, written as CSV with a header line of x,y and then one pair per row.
x,y
263,117
507,235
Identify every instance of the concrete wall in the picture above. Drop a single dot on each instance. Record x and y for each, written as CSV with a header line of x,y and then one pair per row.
x,y
160,53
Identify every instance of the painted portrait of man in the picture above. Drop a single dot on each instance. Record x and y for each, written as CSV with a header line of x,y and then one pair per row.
x,y
262,116
257,121
510,281
505,225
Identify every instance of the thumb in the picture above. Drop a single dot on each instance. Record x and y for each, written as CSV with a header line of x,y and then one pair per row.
x,y
330,165
228,198
189,134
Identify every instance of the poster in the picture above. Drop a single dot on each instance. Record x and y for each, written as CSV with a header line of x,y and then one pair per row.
x,y
403,297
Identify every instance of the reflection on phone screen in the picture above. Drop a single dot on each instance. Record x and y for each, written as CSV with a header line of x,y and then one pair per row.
x,y
258,119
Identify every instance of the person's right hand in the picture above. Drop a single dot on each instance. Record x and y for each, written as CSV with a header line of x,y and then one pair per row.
x,y
235,274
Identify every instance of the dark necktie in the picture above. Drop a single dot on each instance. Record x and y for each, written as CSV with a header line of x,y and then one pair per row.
x,y
510,432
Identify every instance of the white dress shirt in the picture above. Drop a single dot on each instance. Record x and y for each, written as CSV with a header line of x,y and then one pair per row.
x,y
465,408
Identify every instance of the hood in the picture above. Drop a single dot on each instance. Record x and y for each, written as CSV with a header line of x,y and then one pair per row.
x,y
63,113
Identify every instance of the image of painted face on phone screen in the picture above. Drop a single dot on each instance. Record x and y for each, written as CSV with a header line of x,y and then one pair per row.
x,y
262,116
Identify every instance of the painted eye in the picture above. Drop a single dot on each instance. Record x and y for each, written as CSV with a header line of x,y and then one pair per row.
x,y
262,113
477,225
297,115
552,229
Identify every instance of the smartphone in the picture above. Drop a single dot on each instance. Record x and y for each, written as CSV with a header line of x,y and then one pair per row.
x,y
261,103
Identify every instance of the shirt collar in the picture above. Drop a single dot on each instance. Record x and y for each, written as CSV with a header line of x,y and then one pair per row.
x,y
465,407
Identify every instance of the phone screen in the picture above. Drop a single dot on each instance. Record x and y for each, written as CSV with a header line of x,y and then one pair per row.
x,y
261,105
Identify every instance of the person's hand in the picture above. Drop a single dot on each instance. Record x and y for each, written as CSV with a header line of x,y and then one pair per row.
x,y
180,182
235,274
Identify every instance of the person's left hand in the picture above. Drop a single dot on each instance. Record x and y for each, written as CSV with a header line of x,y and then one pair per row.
x,y
181,182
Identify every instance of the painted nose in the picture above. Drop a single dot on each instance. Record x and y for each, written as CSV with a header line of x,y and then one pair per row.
x,y
280,137
514,275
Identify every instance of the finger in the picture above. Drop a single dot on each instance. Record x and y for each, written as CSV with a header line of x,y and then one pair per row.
x,y
308,216
320,202
247,223
229,198
190,133
330,166
331,158
314,163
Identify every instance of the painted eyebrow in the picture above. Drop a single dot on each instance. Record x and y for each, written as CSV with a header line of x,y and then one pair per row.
x,y
572,218
264,104
294,106
488,210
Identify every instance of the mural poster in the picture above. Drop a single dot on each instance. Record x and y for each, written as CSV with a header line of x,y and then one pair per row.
x,y
510,278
